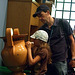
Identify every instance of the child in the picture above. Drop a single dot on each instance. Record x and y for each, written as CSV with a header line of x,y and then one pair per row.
x,y
42,53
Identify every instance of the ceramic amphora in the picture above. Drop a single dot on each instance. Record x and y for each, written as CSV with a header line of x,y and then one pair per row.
x,y
14,53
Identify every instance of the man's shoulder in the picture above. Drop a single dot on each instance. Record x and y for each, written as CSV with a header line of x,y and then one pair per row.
x,y
63,20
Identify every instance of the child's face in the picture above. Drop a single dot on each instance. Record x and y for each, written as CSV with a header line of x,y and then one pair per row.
x,y
36,42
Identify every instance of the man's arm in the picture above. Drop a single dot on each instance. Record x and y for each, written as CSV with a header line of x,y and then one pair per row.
x,y
72,46
72,62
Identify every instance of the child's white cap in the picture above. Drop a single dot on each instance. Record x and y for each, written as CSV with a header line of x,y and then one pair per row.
x,y
41,35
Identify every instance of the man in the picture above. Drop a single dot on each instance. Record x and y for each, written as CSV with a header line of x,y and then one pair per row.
x,y
56,40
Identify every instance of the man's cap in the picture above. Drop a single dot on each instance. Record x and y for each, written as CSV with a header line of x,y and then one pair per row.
x,y
40,9
41,35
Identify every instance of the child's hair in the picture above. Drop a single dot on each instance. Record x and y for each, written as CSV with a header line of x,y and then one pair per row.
x,y
45,45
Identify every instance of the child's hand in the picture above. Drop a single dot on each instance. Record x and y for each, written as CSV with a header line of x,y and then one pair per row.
x,y
28,45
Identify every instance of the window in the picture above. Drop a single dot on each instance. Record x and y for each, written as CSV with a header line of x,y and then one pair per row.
x,y
65,9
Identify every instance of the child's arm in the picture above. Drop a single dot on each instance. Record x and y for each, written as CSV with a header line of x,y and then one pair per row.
x,y
31,60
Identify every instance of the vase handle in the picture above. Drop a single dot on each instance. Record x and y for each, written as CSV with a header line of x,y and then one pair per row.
x,y
16,31
9,34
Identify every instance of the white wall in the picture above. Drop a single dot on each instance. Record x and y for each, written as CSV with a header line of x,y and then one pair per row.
x,y
3,13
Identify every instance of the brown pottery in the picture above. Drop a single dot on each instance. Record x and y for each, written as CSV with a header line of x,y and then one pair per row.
x,y
14,54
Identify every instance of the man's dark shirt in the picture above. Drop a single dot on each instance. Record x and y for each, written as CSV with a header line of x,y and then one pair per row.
x,y
57,39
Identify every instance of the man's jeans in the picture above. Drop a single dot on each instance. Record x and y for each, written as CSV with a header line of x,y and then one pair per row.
x,y
58,68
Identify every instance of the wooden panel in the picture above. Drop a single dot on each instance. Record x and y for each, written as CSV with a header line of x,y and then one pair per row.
x,y
33,29
34,21
18,15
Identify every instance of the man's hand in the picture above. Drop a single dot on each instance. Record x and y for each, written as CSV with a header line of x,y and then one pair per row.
x,y
72,63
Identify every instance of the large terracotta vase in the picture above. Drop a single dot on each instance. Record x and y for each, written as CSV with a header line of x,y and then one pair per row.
x,y
14,54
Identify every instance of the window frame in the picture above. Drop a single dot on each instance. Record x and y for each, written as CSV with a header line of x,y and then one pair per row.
x,y
62,10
